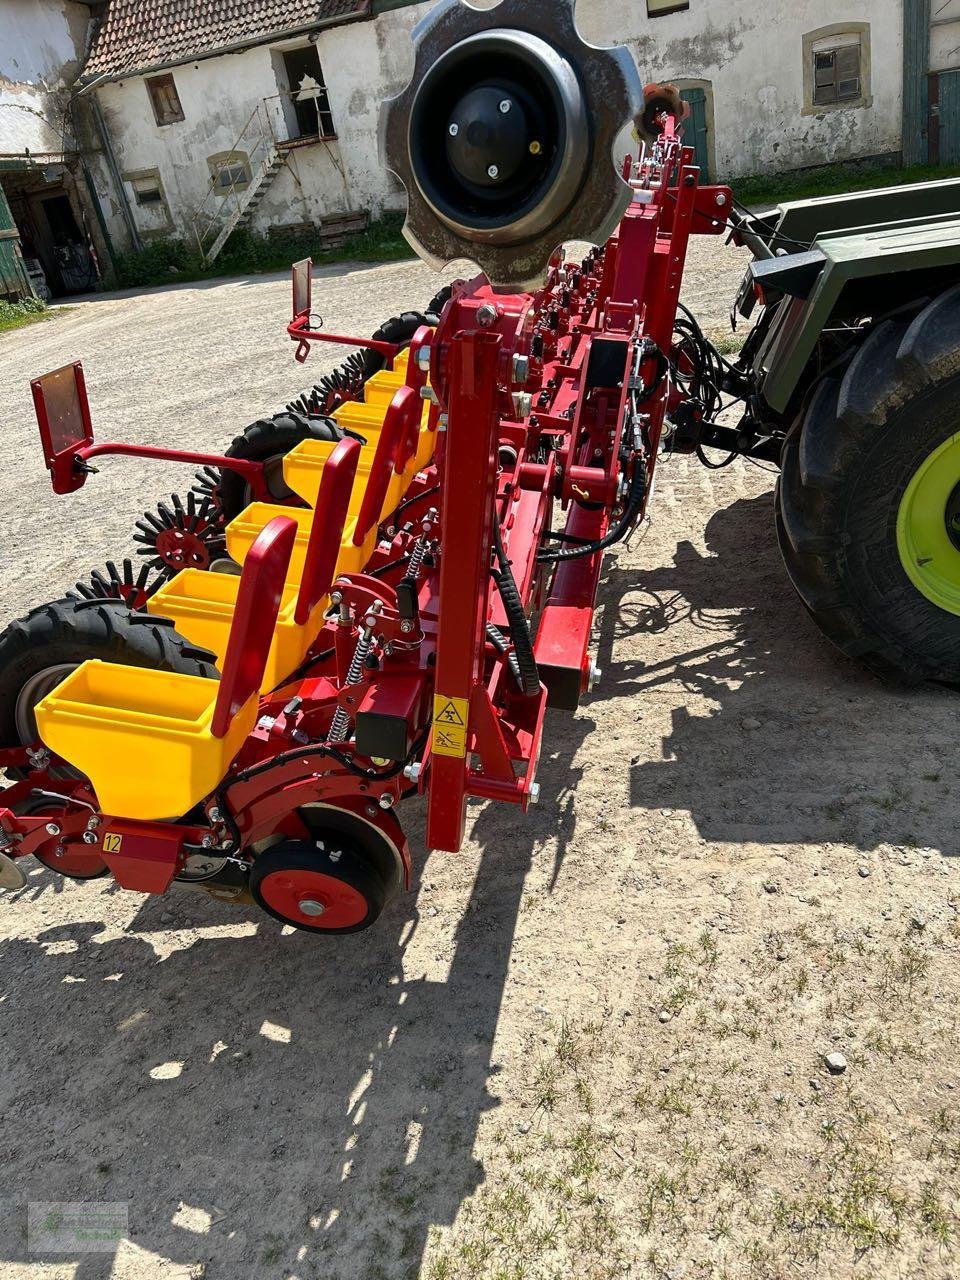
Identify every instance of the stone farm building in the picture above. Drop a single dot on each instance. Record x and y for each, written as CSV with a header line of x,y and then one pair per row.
x,y
125,120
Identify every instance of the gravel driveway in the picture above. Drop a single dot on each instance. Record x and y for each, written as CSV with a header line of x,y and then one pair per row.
x,y
592,1044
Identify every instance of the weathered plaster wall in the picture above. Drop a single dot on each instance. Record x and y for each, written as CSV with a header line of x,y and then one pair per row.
x,y
42,43
752,55
945,36
749,57
218,97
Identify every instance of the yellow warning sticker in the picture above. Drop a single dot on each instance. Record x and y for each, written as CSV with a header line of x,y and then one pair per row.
x,y
450,717
112,843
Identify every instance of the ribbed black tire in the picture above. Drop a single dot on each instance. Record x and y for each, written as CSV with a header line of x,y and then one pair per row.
x,y
267,441
398,329
439,300
846,466
68,632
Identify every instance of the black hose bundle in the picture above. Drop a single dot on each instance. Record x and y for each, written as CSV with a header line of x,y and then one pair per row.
x,y
707,366
504,648
704,380
631,512
523,663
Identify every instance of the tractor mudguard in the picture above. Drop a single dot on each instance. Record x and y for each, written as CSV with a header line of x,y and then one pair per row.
x,y
867,270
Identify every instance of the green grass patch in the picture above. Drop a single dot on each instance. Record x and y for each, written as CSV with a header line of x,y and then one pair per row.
x,y
14,315
171,260
834,180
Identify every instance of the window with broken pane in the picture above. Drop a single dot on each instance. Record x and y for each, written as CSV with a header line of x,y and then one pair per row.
x,y
164,99
837,75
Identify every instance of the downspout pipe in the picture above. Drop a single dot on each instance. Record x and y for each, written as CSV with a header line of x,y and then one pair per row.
x,y
115,173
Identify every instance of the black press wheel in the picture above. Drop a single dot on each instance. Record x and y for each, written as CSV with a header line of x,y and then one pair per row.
x,y
268,441
398,329
323,885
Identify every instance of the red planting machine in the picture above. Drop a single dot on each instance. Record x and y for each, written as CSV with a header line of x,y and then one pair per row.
x,y
399,618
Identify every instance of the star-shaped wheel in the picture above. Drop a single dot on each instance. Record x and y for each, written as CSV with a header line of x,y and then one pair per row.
x,y
504,137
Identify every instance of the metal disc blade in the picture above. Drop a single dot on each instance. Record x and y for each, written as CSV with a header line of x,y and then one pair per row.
x,y
11,877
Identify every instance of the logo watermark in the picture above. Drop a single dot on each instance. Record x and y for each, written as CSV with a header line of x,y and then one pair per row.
x,y
75,1227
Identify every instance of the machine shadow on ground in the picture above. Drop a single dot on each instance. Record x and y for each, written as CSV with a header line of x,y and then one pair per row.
x,y
798,745
269,1105
286,1106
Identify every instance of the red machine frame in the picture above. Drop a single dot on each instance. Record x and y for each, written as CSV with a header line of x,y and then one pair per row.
x,y
556,398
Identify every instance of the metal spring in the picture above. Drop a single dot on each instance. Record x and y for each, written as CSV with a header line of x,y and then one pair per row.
x,y
340,724
422,548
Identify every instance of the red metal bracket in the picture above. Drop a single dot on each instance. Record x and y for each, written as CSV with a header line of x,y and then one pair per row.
x,y
470,469
301,332
299,327
254,620
330,516
66,436
63,415
403,416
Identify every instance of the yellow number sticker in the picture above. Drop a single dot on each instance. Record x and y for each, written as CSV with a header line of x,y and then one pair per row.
x,y
112,843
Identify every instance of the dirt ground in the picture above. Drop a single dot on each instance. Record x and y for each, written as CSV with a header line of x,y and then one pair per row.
x,y
592,1044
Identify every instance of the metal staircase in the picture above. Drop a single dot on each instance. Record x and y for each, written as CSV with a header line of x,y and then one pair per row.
x,y
227,206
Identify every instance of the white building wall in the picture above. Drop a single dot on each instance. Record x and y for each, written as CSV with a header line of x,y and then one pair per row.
x,y
42,43
218,97
945,36
361,62
751,58
752,55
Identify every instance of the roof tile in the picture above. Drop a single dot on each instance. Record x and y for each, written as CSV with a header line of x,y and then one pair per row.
x,y
138,34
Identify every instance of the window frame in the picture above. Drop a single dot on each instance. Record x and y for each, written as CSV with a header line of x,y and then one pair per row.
x,y
157,86
131,179
832,41
663,8
840,75
223,162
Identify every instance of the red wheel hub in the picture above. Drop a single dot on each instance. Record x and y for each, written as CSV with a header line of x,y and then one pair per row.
x,y
181,549
314,899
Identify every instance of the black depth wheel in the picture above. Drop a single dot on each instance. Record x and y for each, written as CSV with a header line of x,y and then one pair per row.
x,y
322,885
269,441
73,861
435,306
39,651
398,329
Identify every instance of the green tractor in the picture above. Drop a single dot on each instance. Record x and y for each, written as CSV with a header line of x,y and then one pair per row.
x,y
850,381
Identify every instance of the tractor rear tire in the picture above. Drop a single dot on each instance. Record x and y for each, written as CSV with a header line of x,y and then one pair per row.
x,y
268,441
868,503
38,651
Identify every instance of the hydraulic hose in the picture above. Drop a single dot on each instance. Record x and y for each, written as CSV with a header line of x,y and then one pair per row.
x,y
526,672
502,646
638,490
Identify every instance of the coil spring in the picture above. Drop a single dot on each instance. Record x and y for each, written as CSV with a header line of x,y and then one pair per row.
x,y
340,725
